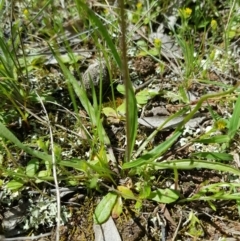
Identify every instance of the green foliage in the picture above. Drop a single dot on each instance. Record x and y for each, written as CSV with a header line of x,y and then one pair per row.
x,y
140,163
7,61
234,122
195,227
164,195
104,208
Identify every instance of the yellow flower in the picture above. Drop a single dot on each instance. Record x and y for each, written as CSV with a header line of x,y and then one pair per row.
x,y
188,12
157,42
214,24
139,6
220,124
185,13
26,13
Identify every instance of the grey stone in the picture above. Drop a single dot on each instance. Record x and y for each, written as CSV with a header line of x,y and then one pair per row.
x,y
95,73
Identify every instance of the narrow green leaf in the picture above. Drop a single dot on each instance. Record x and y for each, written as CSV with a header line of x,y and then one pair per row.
x,y
219,191
101,169
215,139
201,100
9,136
131,120
214,156
1,4
184,94
187,164
104,208
77,164
81,93
153,154
213,207
220,196
79,90
234,122
6,60
131,103
101,28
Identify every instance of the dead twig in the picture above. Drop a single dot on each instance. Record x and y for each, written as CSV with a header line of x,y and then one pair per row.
x,y
54,171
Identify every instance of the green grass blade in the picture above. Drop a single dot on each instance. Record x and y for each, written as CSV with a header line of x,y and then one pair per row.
x,y
81,93
132,119
131,102
188,164
5,133
79,90
220,191
130,96
214,156
215,139
203,99
82,7
234,122
154,133
6,61
153,154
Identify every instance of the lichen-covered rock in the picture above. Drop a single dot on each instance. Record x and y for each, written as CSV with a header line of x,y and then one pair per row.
x,y
95,73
